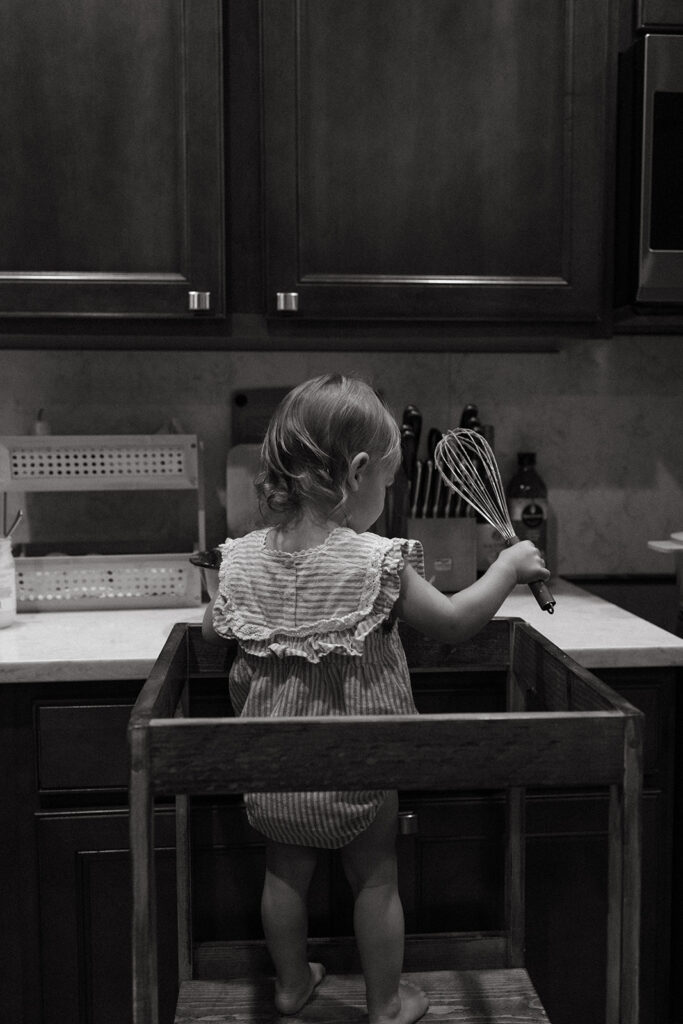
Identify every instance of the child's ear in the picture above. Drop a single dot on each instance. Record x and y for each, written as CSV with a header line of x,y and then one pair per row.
x,y
357,467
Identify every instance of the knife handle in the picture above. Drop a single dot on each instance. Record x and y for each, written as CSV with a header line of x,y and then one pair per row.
x,y
415,496
437,497
429,469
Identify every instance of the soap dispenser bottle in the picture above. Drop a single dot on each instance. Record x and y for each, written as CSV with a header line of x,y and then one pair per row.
x,y
527,497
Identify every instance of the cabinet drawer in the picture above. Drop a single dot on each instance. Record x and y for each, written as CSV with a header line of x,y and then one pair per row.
x,y
82,746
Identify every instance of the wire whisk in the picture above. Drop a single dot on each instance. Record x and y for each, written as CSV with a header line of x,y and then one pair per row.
x,y
467,465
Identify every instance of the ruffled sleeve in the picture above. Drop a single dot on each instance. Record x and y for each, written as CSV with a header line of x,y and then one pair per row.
x,y
341,592
400,553
222,620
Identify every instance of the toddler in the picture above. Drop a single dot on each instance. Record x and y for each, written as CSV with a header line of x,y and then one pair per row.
x,y
313,601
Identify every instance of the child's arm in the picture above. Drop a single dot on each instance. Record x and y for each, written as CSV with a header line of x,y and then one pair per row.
x,y
460,616
208,632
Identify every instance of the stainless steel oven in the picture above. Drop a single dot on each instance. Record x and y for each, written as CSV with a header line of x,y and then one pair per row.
x,y
652,92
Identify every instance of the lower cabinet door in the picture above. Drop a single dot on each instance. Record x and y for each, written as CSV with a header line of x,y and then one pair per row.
x,y
451,879
85,916
566,906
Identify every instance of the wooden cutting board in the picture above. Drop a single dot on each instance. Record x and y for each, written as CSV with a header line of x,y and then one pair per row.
x,y
241,506
251,412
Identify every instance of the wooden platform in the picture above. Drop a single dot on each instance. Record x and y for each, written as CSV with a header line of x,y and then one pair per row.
x,y
463,997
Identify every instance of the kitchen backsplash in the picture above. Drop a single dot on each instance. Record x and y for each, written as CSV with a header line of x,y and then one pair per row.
x,y
603,416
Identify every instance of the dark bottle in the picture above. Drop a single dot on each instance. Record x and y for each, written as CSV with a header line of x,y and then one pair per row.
x,y
527,497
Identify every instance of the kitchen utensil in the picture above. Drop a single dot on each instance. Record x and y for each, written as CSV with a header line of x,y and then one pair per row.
x,y
415,495
409,452
15,522
433,438
401,487
470,417
437,496
467,465
412,417
428,472
207,559
208,563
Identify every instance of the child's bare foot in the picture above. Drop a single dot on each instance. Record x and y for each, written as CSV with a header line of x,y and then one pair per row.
x,y
290,1001
410,1004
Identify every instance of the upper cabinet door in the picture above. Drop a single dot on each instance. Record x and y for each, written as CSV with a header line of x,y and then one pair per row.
x,y
441,159
111,197
659,14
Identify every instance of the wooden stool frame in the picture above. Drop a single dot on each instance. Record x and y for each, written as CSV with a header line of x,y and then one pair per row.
x,y
563,727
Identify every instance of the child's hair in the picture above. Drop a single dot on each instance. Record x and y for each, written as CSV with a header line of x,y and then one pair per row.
x,y
314,434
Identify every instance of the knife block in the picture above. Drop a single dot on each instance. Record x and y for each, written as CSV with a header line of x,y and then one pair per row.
x,y
450,550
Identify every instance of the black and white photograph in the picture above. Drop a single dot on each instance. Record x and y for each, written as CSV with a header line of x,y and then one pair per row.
x,y
341,511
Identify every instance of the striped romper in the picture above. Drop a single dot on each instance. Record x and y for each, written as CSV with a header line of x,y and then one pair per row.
x,y
316,636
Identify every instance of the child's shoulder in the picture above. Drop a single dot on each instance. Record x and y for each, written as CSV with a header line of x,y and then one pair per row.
x,y
255,538
392,553
345,539
343,546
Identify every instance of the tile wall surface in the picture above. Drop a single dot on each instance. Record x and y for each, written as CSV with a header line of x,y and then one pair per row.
x,y
603,416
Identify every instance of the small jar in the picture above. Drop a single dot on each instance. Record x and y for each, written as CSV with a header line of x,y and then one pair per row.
x,y
8,584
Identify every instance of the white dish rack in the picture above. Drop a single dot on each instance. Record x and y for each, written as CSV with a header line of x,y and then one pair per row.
x,y
112,462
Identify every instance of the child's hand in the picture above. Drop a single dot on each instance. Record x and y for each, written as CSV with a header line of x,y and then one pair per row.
x,y
526,562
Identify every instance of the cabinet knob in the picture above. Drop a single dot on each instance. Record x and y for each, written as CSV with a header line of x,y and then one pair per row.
x,y
199,302
287,302
407,823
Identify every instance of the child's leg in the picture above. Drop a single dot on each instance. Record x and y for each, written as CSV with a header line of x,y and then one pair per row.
x,y
284,913
370,866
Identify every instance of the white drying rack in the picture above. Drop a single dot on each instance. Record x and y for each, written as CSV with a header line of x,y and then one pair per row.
x,y
140,462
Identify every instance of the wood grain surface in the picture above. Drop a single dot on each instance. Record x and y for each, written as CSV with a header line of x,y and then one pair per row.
x,y
465,997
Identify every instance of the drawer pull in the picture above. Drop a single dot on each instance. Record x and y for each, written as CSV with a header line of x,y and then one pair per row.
x,y
407,823
287,302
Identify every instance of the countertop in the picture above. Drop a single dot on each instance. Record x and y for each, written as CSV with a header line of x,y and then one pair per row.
x,y
104,645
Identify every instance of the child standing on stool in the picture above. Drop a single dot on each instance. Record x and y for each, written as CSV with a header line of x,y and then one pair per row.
x,y
313,602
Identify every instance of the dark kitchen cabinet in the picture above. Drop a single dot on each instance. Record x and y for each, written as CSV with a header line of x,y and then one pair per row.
x,y
85,914
656,14
441,160
111,160
65,865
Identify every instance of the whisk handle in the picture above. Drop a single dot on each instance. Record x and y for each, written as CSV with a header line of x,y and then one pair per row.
x,y
543,595
539,589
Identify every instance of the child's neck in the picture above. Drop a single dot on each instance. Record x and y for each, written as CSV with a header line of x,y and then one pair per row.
x,y
306,532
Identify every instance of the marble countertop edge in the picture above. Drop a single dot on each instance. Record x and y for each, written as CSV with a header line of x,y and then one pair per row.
x,y
101,646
